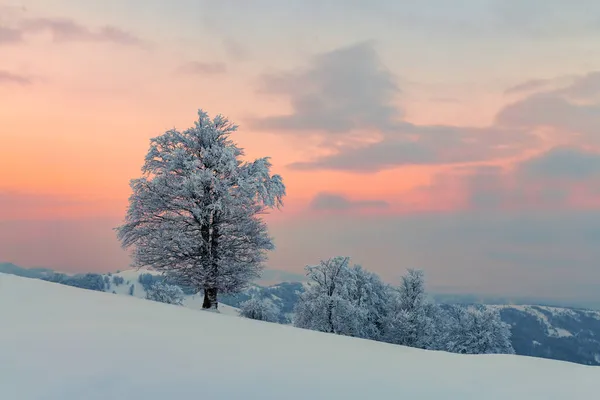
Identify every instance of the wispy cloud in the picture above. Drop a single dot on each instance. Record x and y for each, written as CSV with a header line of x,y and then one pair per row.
x,y
559,178
68,30
10,35
7,77
202,68
529,86
338,202
573,108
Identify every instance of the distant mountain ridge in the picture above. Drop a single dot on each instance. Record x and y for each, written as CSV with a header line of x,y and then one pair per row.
x,y
560,333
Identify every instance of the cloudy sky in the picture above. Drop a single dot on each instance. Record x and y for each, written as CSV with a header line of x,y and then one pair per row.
x,y
457,137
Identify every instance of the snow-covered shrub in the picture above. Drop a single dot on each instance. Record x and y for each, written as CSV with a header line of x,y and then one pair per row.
x,y
146,280
474,330
83,281
260,309
411,320
117,280
165,293
342,300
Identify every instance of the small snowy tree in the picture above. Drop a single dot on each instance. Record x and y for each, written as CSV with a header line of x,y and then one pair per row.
x,y
411,319
321,305
475,330
260,309
165,293
369,297
117,280
343,300
195,214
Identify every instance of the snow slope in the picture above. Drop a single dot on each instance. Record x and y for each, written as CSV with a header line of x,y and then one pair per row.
x,y
59,342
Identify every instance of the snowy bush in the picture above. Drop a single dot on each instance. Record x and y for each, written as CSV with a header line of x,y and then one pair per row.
x,y
83,281
342,300
475,330
165,293
260,309
146,280
411,319
117,280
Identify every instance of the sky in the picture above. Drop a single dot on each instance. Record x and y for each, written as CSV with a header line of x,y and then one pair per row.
x,y
458,137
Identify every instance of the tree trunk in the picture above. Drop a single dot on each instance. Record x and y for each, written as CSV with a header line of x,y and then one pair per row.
x,y
210,294
210,299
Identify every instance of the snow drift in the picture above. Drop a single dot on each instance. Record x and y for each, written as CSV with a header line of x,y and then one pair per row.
x,y
59,342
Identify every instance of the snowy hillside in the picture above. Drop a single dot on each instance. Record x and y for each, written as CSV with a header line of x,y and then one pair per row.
x,y
540,331
131,277
59,342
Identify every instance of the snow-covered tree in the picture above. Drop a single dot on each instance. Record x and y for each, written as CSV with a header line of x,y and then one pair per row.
x,y
260,309
370,298
195,213
475,330
411,318
118,280
343,300
321,306
165,293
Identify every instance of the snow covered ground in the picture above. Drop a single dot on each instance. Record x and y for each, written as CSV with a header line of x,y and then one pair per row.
x,y
59,342
131,277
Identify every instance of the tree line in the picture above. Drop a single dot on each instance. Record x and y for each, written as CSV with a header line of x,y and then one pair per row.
x,y
351,301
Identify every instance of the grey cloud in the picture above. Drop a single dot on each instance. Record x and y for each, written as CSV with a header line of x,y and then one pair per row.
x,y
586,87
574,108
342,90
529,86
551,110
371,158
200,68
348,90
7,77
338,202
10,35
64,30
547,180
435,144
562,163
